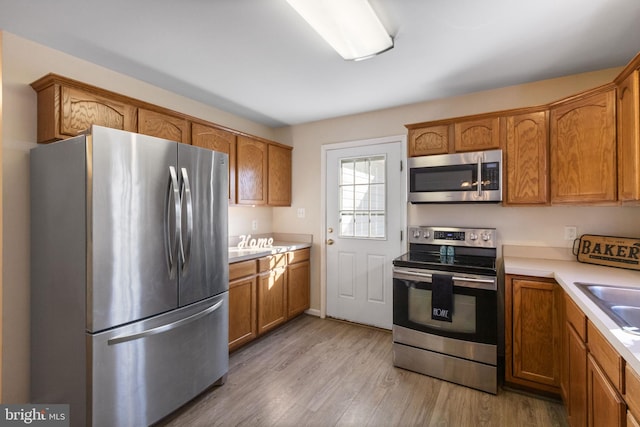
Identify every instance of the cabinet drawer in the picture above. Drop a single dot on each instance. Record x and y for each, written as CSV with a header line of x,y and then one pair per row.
x,y
272,262
632,391
242,269
576,317
298,256
607,356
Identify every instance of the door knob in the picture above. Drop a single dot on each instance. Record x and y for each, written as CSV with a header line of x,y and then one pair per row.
x,y
329,241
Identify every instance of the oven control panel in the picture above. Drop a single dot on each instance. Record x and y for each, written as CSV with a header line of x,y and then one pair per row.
x,y
455,236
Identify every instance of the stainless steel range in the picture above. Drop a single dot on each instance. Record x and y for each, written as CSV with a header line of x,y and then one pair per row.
x,y
445,306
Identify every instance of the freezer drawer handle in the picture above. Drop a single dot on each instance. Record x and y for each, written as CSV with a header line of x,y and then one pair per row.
x,y
185,246
173,193
165,328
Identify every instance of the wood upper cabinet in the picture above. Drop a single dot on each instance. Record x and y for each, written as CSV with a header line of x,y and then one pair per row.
x,y
163,125
219,140
526,159
65,110
605,407
478,134
252,171
583,149
429,140
279,180
298,286
628,116
532,333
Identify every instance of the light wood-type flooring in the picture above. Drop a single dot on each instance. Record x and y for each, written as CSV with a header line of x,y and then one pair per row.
x,y
322,372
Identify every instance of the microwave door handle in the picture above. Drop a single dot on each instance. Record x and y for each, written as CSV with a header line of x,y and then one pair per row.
x,y
479,177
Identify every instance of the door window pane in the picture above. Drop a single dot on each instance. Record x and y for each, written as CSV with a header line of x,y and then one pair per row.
x,y
362,192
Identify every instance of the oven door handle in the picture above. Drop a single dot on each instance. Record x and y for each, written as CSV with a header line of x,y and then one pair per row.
x,y
466,282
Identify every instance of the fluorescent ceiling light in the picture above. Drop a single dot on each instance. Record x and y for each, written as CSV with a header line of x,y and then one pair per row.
x,y
351,27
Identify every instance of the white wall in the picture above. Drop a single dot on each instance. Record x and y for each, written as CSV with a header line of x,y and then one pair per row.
x,y
526,225
24,62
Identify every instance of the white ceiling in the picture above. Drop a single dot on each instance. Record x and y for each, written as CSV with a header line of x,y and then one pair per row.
x,y
259,59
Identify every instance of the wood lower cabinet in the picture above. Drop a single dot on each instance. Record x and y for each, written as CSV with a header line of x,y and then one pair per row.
x,y
279,180
527,159
65,110
605,407
164,126
242,303
272,299
574,363
218,140
593,375
264,293
583,149
632,391
532,333
628,127
252,170
299,274
429,140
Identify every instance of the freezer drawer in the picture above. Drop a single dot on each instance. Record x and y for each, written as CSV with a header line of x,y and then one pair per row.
x,y
143,371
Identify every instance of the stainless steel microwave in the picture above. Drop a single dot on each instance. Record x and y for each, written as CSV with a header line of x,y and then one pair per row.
x,y
456,178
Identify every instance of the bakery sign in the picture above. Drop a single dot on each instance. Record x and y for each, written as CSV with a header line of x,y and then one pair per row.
x,y
611,251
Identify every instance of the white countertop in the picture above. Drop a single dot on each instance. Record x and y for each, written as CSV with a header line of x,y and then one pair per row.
x,y
566,273
237,255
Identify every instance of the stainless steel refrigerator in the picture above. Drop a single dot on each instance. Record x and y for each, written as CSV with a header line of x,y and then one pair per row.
x,y
129,275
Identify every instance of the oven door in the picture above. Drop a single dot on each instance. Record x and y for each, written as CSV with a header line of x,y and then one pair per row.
x,y
475,302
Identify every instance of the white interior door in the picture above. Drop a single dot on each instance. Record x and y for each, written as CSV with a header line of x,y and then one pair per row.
x,y
365,219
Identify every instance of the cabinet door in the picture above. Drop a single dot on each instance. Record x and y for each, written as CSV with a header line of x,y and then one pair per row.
x,y
429,140
632,390
605,406
81,109
251,166
163,126
272,299
480,134
279,192
576,370
583,150
242,311
218,140
533,353
527,161
298,288
628,115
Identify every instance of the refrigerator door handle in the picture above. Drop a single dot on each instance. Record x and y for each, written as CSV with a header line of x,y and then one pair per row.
x,y
173,193
185,244
167,327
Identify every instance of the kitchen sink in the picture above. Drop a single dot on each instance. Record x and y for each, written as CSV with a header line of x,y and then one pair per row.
x,y
621,304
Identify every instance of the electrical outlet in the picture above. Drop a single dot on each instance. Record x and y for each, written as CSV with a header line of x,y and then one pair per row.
x,y
301,213
570,232
254,225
